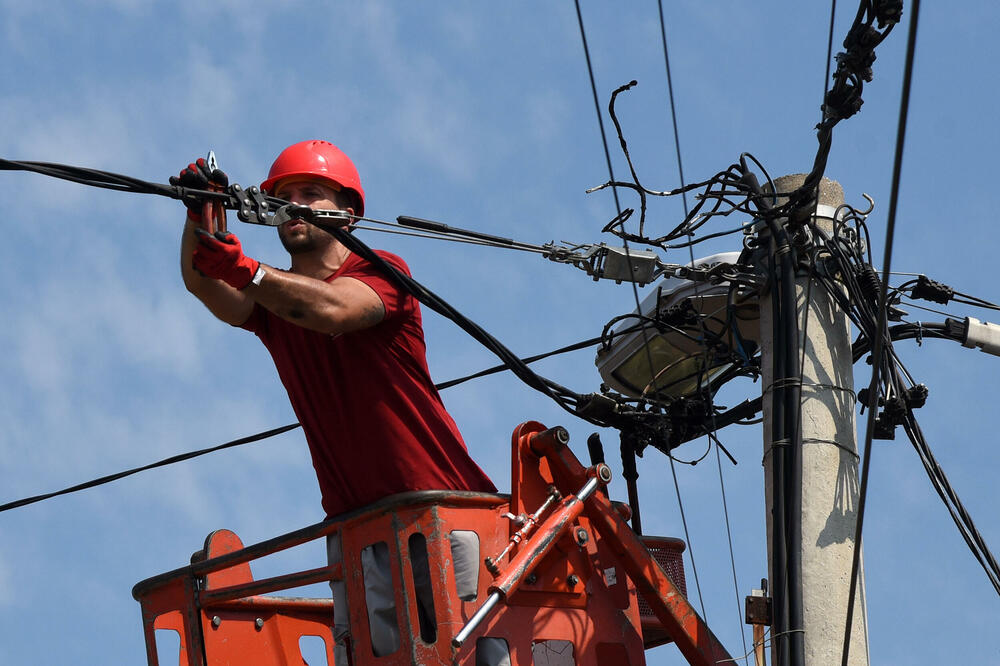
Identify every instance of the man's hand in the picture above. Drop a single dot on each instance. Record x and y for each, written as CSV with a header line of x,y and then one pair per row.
x,y
197,176
220,256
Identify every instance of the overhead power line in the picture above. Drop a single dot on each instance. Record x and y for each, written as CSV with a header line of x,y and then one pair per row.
x,y
890,230
16,504
162,463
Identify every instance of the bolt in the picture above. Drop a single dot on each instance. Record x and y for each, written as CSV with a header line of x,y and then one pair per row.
x,y
581,536
216,620
258,623
572,580
531,579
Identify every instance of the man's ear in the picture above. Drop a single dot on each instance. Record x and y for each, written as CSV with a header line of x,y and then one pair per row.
x,y
350,223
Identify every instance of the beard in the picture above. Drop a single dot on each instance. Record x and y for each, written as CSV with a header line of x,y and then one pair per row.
x,y
302,240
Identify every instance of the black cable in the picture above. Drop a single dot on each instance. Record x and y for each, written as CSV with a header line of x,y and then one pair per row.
x,y
607,335
673,116
565,398
597,103
530,359
886,265
841,101
829,51
779,510
960,516
266,434
704,366
106,179
627,449
166,461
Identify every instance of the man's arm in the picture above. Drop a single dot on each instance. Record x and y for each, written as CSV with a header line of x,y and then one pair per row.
x,y
340,306
222,282
225,302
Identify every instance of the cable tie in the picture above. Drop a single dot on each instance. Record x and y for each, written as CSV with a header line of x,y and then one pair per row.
x,y
842,447
785,382
795,381
774,444
833,387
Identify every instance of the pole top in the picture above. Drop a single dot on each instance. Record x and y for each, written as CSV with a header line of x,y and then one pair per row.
x,y
830,191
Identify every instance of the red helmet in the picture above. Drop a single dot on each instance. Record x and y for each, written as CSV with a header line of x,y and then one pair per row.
x,y
319,159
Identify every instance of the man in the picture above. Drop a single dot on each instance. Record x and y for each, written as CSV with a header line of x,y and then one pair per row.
x,y
346,341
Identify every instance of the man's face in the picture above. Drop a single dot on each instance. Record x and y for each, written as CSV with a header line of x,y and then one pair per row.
x,y
299,236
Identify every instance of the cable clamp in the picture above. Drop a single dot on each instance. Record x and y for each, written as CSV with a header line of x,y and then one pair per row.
x,y
611,263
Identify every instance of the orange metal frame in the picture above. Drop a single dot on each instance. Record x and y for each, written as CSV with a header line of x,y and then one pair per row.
x,y
574,576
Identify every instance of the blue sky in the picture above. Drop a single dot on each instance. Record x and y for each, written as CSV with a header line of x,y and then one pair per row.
x,y
480,116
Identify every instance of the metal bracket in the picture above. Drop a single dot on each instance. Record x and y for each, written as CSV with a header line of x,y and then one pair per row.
x,y
251,205
602,261
759,606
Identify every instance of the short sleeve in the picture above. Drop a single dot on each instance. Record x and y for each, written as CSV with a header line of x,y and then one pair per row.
x,y
257,321
394,298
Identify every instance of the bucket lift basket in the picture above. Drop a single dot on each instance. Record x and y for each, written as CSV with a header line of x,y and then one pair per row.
x,y
569,585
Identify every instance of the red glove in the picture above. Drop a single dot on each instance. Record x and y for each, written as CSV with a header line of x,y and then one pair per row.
x,y
196,176
221,257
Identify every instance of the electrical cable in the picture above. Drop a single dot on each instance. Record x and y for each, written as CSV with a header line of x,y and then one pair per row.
x,y
779,539
166,461
703,368
829,51
628,452
597,103
673,112
893,387
102,179
531,359
263,435
729,538
886,268
841,101
443,237
956,509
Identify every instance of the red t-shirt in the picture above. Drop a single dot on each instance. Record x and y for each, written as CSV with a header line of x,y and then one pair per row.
x,y
374,422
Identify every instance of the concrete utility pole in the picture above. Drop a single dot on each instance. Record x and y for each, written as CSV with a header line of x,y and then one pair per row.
x,y
829,457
